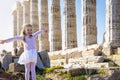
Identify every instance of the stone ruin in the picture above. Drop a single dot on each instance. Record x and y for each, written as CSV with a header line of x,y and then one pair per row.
x,y
111,41
90,58
91,55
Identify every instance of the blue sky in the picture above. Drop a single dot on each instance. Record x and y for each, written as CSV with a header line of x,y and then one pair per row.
x,y
6,21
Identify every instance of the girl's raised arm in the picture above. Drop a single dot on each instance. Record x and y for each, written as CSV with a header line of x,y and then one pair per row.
x,y
16,38
38,32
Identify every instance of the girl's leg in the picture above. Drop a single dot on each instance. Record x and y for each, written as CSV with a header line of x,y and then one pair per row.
x,y
27,71
33,71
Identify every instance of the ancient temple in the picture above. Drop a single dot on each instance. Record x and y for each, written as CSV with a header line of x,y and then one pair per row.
x,y
36,13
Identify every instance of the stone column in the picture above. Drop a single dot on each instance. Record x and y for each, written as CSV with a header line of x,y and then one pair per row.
x,y
55,26
19,26
14,13
70,37
43,24
26,12
112,23
19,17
34,19
89,29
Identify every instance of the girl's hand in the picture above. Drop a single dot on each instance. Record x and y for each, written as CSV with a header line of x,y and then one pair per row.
x,y
2,41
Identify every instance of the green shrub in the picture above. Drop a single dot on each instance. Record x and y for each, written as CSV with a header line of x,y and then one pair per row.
x,y
67,75
51,69
102,72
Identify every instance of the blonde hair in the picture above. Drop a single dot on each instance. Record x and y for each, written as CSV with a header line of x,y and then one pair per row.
x,y
23,34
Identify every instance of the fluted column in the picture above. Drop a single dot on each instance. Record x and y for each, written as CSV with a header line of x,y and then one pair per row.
x,y
112,23
55,26
43,24
34,20
26,12
14,13
19,17
70,37
89,28
19,25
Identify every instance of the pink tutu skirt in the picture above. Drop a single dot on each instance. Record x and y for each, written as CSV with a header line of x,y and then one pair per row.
x,y
28,56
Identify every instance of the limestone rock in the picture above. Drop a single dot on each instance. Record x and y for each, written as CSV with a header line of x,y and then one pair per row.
x,y
45,59
5,76
90,53
107,51
15,67
81,71
115,75
118,50
15,59
96,59
57,62
6,60
39,62
95,78
116,59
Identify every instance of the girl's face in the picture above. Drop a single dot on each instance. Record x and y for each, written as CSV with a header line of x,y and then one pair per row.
x,y
28,30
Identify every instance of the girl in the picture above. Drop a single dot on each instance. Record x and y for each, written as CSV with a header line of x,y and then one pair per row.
x,y
29,56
